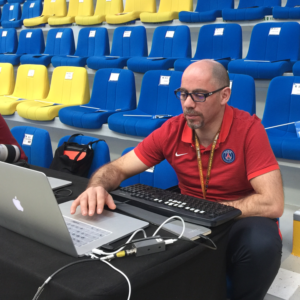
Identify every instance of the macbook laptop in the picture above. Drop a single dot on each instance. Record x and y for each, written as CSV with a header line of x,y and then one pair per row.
x,y
28,207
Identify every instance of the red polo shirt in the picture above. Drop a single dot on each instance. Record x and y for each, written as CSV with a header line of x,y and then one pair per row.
x,y
242,152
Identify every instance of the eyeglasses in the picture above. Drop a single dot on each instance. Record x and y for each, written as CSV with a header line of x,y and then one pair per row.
x,y
196,96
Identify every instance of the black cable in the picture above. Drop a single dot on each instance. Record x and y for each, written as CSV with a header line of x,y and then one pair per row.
x,y
57,193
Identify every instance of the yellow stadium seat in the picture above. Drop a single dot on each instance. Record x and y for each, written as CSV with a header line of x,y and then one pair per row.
x,y
76,8
51,8
32,83
69,86
132,11
168,11
103,8
7,79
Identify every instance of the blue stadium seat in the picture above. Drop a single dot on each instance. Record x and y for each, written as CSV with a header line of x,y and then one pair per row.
x,y
296,69
91,41
127,42
31,41
15,1
2,2
219,42
39,152
290,11
169,44
113,91
206,11
161,176
283,106
271,52
8,41
157,103
10,14
242,93
101,151
250,10
60,41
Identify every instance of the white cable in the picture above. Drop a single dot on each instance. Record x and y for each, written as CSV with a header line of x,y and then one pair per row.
x,y
129,285
174,217
281,125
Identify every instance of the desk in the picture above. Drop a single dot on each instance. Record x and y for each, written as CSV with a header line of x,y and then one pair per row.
x,y
183,271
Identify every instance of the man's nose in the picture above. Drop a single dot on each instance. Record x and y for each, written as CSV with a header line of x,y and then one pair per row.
x,y
189,102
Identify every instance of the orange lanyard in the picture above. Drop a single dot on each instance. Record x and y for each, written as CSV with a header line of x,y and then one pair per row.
x,y
204,187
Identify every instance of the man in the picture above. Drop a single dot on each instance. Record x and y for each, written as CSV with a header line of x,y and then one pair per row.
x,y
221,154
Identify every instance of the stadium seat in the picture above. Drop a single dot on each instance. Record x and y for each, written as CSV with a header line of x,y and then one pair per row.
x,y
32,83
242,93
161,176
157,103
2,2
36,144
132,11
101,151
283,106
296,69
127,42
8,41
113,91
168,11
91,41
15,1
69,86
219,42
52,8
30,41
271,52
206,11
290,11
7,79
11,12
169,44
60,42
250,10
76,8
103,8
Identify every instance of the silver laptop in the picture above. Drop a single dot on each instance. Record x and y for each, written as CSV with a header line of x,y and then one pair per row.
x,y
28,207
57,183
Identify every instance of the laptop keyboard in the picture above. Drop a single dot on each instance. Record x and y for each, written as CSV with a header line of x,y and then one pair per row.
x,y
82,233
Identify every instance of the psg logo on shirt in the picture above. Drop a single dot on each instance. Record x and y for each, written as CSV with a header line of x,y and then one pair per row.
x,y
228,156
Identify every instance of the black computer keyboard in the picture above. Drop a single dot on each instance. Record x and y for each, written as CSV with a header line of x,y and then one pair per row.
x,y
167,203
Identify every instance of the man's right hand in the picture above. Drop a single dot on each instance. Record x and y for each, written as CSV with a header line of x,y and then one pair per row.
x,y
93,200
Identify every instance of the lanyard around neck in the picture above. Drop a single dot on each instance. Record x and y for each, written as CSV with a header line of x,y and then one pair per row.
x,y
211,156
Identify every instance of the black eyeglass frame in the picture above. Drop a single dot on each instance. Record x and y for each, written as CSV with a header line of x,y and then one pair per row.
x,y
204,95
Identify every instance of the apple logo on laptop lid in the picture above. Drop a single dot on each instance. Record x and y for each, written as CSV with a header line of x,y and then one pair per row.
x,y
17,204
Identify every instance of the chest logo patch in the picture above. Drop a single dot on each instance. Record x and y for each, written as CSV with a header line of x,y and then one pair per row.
x,y
228,156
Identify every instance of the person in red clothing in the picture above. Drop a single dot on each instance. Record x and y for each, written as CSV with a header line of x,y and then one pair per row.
x,y
221,154
7,138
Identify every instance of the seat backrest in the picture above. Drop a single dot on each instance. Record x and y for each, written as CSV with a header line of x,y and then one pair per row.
x,y
292,3
251,3
11,11
129,41
104,7
101,150
171,41
207,5
80,8
219,41
278,46
113,89
157,93
92,42
60,41
69,85
160,176
242,92
282,106
140,5
175,5
8,40
39,152
7,79
15,1
32,82
31,41
31,9
56,8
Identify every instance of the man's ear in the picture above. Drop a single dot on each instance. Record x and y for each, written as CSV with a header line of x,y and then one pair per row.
x,y
225,95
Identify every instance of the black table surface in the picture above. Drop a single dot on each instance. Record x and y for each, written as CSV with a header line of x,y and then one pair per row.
x,y
183,271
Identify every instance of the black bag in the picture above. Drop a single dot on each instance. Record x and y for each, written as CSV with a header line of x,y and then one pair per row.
x,y
74,158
